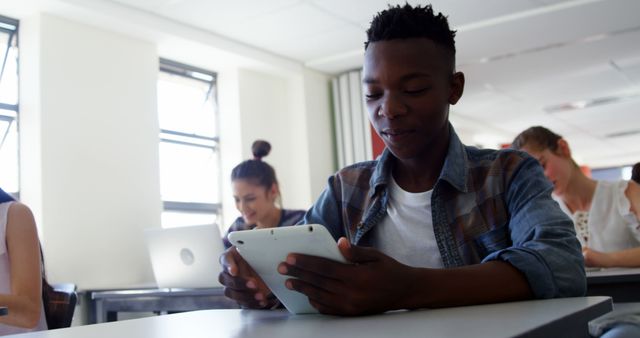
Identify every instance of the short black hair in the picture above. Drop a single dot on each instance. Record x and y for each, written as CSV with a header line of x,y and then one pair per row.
x,y
405,22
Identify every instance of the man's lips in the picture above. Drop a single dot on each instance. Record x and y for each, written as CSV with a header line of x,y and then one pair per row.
x,y
396,134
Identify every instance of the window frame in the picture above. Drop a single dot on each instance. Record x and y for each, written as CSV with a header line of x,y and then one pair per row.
x,y
194,140
11,27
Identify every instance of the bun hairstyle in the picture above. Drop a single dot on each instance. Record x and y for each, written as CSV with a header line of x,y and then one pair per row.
x,y
260,149
256,171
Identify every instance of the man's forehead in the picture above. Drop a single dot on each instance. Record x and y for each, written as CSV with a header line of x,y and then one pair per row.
x,y
405,58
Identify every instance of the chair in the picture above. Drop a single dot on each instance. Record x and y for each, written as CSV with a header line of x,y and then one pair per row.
x,y
59,304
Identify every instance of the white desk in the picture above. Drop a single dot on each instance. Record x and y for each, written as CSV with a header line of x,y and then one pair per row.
x,y
621,284
566,317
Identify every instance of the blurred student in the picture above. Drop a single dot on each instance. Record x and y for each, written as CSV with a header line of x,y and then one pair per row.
x,y
605,214
432,222
20,269
635,173
257,194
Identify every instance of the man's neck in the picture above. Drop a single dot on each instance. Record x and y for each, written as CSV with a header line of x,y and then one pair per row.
x,y
420,174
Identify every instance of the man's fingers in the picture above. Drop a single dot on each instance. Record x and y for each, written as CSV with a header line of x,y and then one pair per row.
x,y
246,299
237,283
313,278
229,261
318,265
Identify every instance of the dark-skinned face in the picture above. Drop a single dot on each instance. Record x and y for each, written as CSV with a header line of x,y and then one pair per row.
x,y
408,86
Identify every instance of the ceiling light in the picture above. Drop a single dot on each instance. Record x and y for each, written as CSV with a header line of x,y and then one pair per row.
x,y
568,106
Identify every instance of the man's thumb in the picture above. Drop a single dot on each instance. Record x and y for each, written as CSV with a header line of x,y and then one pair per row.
x,y
356,254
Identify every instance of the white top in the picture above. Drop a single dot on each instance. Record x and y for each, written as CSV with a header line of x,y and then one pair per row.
x,y
610,225
406,233
5,278
537,318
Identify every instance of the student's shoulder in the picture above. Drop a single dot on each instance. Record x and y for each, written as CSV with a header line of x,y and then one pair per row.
x,y
294,214
20,220
239,225
358,169
356,174
19,212
507,159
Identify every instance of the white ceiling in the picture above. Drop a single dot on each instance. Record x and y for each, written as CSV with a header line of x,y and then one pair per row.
x,y
519,57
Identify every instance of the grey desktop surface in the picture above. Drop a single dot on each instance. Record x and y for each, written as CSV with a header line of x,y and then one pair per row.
x,y
565,317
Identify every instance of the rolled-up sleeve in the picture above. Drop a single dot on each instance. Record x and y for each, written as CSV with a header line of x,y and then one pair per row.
x,y
545,248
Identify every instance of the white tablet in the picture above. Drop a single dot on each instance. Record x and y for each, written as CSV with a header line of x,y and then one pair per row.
x,y
265,249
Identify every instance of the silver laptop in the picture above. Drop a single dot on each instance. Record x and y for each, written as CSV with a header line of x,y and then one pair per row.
x,y
185,257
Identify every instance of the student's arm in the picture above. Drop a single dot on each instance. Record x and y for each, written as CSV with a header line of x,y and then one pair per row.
x,y
633,194
544,246
629,258
25,300
623,258
377,283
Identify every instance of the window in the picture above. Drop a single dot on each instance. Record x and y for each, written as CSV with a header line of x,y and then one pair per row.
x,y
9,170
189,145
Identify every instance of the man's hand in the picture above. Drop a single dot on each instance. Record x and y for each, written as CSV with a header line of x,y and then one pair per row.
x,y
373,283
242,283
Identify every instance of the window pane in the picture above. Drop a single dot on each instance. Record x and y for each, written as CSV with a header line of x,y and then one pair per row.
x,y
172,219
9,177
186,105
9,80
189,174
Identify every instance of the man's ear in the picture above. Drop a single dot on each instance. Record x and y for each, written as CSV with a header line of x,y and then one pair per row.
x,y
563,148
457,87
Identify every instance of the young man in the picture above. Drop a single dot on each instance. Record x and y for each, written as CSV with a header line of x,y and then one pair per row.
x,y
431,223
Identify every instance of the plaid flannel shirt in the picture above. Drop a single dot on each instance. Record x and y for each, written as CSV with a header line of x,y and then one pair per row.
x,y
486,205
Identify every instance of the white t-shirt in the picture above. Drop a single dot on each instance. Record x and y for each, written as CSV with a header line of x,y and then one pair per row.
x,y
5,278
609,225
406,232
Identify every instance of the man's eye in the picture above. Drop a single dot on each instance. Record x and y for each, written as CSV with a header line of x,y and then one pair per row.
x,y
416,91
372,96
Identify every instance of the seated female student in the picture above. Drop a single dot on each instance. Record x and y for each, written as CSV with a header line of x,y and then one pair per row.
x,y
257,194
20,269
605,216
605,213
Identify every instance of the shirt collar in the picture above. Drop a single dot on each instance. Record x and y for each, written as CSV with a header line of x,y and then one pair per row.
x,y
453,171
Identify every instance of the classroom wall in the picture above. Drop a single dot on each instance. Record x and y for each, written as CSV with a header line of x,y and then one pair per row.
x,y
292,113
94,132
89,143
319,130
269,111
